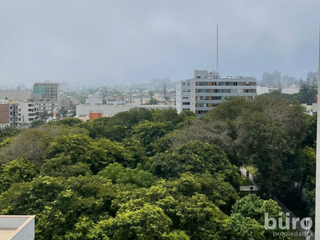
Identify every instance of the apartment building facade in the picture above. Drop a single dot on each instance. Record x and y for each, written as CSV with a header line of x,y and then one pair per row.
x,y
47,90
22,114
206,90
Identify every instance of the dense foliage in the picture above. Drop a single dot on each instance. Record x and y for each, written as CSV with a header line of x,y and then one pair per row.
x,y
157,174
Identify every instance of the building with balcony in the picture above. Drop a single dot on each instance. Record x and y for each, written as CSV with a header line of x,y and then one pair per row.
x,y
22,114
207,89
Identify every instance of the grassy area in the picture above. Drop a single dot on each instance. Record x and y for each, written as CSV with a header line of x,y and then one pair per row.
x,y
252,170
244,181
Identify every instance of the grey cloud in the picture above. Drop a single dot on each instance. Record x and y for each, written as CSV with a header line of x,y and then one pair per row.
x,y
97,42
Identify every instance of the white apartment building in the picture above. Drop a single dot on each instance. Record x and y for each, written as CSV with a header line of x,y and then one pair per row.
x,y
22,114
206,90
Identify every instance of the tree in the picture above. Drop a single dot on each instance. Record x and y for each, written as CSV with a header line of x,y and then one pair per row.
x,y
8,132
167,115
63,166
32,143
36,124
212,132
16,171
118,174
251,206
309,91
311,131
194,157
118,127
244,228
153,101
148,132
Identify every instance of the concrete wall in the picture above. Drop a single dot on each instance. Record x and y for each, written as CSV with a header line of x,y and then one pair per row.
x,y
4,113
27,232
15,95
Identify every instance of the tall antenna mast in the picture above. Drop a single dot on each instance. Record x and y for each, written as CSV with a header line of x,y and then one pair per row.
x,y
217,60
317,210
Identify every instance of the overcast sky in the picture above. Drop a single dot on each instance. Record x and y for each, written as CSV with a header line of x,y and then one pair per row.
x,y
127,41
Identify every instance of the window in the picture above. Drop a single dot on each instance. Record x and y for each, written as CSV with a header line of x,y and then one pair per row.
x,y
203,90
221,83
186,103
203,105
204,98
216,98
202,111
236,91
198,77
221,90
250,90
203,83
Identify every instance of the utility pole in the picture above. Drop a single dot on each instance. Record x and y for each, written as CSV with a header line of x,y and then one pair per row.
x,y
317,210
217,58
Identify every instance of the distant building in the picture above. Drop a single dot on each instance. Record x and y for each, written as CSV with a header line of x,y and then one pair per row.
x,y
47,90
109,110
272,79
94,99
206,90
15,95
266,89
17,227
287,82
4,114
66,102
276,78
267,78
21,114
94,115
290,90
312,75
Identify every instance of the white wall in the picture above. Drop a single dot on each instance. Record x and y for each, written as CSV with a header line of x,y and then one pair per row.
x,y
26,225
26,233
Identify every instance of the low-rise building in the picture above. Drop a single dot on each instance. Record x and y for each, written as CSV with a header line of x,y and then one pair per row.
x,y
266,89
108,110
15,95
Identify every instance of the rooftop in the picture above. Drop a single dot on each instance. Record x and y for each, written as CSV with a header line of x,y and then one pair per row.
x,y
6,233
11,226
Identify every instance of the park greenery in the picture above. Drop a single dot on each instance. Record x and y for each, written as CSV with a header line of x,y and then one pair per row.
x,y
156,174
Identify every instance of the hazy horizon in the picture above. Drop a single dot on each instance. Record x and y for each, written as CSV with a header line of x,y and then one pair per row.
x,y
104,42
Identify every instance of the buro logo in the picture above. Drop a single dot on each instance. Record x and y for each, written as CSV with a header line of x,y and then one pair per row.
x,y
271,223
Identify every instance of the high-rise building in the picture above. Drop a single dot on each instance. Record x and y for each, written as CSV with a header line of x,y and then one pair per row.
x,y
206,90
312,75
276,78
267,78
271,79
